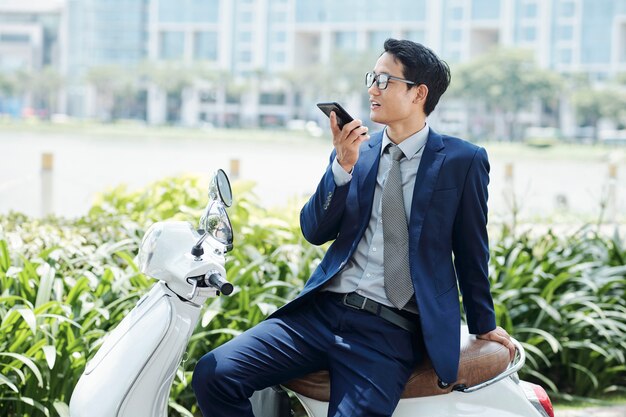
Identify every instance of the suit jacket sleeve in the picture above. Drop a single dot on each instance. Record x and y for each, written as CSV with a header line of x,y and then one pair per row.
x,y
471,247
320,218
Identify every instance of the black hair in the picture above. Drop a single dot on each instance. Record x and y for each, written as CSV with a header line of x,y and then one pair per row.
x,y
422,66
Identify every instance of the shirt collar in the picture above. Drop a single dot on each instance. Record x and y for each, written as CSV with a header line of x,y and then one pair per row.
x,y
411,145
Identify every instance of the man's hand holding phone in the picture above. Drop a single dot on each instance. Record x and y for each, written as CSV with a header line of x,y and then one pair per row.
x,y
347,141
348,134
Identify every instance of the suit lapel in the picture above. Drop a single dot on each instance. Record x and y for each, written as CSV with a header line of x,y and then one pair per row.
x,y
427,173
366,171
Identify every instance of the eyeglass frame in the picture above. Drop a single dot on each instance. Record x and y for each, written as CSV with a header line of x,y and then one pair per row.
x,y
376,80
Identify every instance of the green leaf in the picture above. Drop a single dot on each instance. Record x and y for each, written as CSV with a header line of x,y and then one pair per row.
x,y
552,341
5,259
44,291
587,372
61,408
29,317
7,381
543,379
50,353
208,316
182,410
30,402
29,363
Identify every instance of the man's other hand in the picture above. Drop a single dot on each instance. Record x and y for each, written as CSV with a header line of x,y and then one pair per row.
x,y
501,336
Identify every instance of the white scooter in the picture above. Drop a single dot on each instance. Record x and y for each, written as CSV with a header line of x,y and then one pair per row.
x,y
132,372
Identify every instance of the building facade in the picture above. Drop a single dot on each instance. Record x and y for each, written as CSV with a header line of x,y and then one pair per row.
x,y
31,38
253,47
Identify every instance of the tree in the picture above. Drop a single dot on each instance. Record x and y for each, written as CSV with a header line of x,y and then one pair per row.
x,y
45,88
171,78
339,79
505,81
107,80
591,104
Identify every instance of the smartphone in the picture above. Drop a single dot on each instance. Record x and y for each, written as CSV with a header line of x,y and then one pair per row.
x,y
343,117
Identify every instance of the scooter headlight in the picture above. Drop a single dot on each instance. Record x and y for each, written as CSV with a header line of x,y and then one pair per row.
x,y
148,246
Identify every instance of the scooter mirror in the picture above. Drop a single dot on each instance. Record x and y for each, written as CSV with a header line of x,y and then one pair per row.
x,y
219,189
217,224
215,221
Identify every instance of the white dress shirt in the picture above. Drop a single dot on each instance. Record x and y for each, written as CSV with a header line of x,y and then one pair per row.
x,y
363,273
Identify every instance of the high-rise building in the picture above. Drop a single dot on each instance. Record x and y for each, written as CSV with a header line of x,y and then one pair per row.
x,y
249,40
30,39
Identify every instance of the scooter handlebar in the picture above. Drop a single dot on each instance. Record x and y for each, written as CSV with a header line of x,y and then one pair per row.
x,y
215,280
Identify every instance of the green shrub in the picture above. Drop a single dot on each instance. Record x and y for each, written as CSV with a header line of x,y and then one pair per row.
x,y
65,283
564,298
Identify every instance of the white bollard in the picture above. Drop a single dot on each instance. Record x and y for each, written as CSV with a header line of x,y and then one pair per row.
x,y
234,169
47,167
612,194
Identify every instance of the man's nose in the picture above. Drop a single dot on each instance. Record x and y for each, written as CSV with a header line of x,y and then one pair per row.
x,y
373,89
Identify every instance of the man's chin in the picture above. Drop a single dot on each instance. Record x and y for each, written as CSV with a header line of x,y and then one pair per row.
x,y
375,117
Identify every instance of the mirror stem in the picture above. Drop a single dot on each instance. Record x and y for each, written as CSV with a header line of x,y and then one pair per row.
x,y
197,249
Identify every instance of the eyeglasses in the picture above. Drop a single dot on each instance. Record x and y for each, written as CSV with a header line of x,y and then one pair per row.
x,y
382,80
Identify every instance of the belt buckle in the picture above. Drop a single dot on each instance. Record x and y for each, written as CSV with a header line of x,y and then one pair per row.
x,y
355,306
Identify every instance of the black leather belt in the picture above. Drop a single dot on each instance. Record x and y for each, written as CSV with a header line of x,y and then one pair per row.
x,y
359,302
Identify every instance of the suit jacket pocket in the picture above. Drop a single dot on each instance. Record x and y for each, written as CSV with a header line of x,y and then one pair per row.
x,y
444,194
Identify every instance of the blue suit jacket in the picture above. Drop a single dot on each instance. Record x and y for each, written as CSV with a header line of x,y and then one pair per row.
x,y
448,215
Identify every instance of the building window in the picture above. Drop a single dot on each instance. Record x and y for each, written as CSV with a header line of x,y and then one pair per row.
x,y
529,34
486,9
245,57
415,35
564,56
345,40
279,37
172,45
456,13
564,33
378,38
279,17
14,38
245,17
275,99
205,46
455,35
245,36
279,57
566,9
453,56
208,97
529,10
233,98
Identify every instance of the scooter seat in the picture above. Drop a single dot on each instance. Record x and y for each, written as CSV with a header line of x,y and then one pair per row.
x,y
480,361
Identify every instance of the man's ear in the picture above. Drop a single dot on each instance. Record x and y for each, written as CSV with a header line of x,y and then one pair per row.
x,y
421,92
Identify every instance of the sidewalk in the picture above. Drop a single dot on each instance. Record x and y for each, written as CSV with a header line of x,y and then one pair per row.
x,y
612,411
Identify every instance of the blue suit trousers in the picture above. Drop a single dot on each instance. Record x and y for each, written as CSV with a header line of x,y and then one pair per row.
x,y
368,358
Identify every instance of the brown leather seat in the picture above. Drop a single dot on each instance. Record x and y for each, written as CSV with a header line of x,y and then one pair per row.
x,y
480,361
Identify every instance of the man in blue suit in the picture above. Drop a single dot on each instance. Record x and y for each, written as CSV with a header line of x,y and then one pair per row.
x,y
377,305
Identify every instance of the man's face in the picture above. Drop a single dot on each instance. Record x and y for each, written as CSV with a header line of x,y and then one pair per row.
x,y
395,103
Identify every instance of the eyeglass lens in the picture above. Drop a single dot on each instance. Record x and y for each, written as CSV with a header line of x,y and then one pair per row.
x,y
380,79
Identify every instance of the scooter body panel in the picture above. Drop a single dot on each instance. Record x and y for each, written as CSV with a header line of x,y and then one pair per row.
x,y
504,399
141,355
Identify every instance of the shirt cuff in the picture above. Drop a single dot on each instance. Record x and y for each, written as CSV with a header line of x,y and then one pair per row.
x,y
340,175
